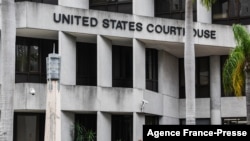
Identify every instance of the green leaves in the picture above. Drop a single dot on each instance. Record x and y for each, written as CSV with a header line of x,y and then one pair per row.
x,y
81,134
233,71
208,3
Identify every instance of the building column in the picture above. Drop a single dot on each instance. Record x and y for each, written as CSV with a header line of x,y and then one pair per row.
x,y
82,4
103,126
138,122
168,83
139,72
67,50
104,62
215,90
143,7
203,14
168,121
68,126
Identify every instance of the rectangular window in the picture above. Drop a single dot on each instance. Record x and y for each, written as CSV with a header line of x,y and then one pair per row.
x,y
54,2
31,56
121,6
122,66
202,81
29,126
86,64
152,69
173,9
234,121
88,122
122,128
231,11
202,77
151,120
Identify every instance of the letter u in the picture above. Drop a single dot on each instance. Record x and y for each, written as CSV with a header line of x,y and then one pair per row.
x,y
59,18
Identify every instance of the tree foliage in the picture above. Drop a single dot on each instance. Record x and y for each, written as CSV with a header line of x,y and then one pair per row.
x,y
233,71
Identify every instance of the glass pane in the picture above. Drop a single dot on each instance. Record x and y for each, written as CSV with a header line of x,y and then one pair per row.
x,y
26,128
204,71
98,1
176,5
244,8
125,8
55,2
112,8
233,8
34,58
21,58
162,6
220,9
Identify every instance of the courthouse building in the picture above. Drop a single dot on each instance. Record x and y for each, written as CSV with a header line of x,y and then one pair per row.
x,y
122,65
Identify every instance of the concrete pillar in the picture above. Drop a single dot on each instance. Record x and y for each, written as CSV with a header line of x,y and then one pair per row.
x,y
143,7
103,126
203,14
164,120
104,62
139,72
215,90
83,4
138,122
67,50
68,120
53,112
168,74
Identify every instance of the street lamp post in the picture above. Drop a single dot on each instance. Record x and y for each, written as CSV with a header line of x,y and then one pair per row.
x,y
53,102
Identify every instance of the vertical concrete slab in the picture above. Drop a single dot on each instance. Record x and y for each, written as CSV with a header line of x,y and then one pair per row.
x,y
138,122
139,76
203,14
168,74
104,62
215,90
144,7
164,120
83,4
103,126
67,50
68,119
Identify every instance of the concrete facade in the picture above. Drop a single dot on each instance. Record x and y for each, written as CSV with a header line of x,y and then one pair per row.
x,y
37,20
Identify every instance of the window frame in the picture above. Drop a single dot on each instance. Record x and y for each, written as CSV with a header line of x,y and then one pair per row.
x,y
122,66
170,13
40,75
40,121
89,79
197,77
151,56
114,3
230,20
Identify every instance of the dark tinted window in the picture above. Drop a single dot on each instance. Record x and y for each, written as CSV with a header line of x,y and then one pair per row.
x,y
202,75
122,66
152,69
151,120
122,128
121,6
55,2
234,121
173,9
29,126
86,64
31,56
231,11
88,122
